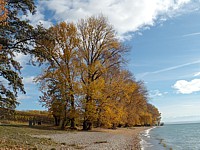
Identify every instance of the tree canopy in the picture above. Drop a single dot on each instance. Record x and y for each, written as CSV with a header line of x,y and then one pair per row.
x,y
84,79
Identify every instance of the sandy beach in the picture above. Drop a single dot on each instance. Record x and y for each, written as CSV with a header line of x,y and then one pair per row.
x,y
99,139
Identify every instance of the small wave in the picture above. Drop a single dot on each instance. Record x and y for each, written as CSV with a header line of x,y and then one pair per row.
x,y
144,144
146,134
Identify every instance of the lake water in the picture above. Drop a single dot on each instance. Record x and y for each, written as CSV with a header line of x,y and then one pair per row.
x,y
172,137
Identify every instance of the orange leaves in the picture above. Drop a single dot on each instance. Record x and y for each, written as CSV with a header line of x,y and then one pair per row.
x,y
3,15
3,12
84,68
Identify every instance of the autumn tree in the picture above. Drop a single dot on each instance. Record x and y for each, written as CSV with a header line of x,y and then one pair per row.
x,y
112,111
116,107
99,49
14,38
155,114
124,101
60,50
53,94
137,104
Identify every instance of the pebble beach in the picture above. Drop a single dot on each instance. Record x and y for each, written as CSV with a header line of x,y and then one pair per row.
x,y
99,139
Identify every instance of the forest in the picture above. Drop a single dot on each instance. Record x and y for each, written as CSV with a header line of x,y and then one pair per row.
x,y
83,79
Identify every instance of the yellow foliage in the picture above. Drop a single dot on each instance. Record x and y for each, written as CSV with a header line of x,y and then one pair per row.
x,y
85,62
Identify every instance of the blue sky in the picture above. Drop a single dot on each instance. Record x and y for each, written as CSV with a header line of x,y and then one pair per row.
x,y
164,36
167,54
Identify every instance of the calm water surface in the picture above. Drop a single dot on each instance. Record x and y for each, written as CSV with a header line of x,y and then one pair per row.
x,y
172,137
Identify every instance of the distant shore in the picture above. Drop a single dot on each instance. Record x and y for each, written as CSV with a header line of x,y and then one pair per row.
x,y
119,139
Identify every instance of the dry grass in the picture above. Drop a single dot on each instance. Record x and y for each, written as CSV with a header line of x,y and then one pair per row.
x,y
18,136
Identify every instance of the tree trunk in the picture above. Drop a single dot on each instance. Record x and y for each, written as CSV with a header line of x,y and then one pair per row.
x,y
64,118
62,124
56,120
87,125
90,125
99,118
73,123
114,126
73,112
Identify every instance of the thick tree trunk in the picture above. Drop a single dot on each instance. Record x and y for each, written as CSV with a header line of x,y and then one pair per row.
x,y
90,125
72,126
98,123
56,120
99,118
62,124
87,125
114,126
64,118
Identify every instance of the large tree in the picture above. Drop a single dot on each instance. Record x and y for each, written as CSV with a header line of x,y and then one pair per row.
x,y
15,37
99,49
59,77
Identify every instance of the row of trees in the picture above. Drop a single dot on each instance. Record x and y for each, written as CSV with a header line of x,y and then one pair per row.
x,y
83,79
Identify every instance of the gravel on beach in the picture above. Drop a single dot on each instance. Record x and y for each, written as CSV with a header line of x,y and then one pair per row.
x,y
99,139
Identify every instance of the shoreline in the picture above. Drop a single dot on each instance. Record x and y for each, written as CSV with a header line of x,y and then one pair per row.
x,y
143,134
98,138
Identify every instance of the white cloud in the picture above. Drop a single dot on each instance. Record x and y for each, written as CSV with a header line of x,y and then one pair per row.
x,y
125,15
28,80
38,18
187,87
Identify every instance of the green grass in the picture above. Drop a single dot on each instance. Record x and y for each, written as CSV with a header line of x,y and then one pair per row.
x,y
19,137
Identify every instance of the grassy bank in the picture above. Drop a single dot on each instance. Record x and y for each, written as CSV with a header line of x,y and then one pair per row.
x,y
21,137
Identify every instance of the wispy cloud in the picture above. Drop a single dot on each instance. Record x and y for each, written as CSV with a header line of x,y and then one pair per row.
x,y
191,34
156,93
169,68
197,74
23,97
